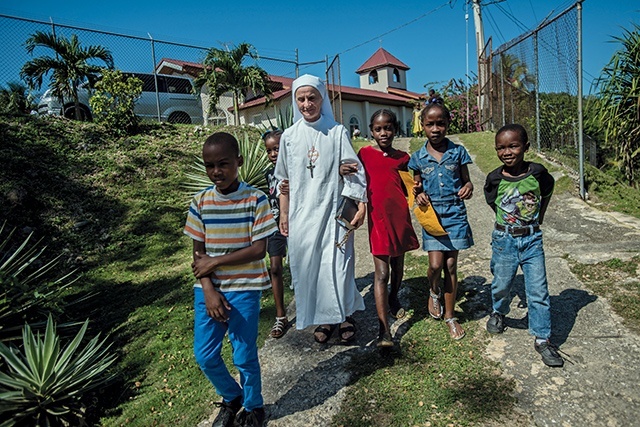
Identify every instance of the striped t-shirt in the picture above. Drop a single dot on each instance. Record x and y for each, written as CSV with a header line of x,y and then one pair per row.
x,y
226,223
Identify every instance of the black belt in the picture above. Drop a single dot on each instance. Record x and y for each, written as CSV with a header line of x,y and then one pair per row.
x,y
518,231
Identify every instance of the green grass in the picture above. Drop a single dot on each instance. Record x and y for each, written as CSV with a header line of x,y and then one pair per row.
x,y
619,282
431,380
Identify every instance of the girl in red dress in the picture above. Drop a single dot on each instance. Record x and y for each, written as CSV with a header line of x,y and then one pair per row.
x,y
391,233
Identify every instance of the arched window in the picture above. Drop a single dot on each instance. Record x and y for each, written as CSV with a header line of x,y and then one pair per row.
x,y
396,75
354,124
373,77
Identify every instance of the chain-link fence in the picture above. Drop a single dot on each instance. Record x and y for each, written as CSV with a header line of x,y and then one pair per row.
x,y
130,54
534,82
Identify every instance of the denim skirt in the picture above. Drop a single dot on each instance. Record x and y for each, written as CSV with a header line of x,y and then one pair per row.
x,y
453,217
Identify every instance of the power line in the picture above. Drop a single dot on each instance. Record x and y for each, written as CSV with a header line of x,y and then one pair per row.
x,y
451,3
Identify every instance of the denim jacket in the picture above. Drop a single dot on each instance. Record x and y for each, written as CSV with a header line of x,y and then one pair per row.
x,y
441,181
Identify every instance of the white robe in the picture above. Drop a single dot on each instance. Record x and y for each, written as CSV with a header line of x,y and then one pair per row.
x,y
323,275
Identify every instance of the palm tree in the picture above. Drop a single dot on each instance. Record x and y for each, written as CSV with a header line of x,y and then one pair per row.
x,y
69,68
223,72
617,105
15,99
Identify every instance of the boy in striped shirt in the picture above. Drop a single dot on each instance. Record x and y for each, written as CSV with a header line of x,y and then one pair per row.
x,y
229,223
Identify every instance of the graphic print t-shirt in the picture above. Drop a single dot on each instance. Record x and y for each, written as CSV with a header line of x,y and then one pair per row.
x,y
517,201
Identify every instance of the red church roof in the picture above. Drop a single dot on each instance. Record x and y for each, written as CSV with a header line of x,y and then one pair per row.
x,y
381,58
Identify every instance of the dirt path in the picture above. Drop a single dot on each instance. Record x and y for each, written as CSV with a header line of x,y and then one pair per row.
x,y
304,383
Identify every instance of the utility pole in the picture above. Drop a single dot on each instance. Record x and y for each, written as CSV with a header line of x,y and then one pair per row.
x,y
482,69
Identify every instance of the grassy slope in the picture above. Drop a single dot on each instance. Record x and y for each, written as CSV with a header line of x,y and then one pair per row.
x,y
115,207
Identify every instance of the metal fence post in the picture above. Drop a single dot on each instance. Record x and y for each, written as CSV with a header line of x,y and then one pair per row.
x,y
155,77
580,124
537,89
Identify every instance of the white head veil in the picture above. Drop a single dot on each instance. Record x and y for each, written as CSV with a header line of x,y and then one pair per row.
x,y
316,83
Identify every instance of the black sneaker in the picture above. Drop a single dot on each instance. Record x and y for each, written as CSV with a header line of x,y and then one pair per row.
x,y
549,353
495,324
227,413
253,418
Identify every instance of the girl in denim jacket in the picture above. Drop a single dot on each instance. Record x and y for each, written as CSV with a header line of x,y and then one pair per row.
x,y
442,181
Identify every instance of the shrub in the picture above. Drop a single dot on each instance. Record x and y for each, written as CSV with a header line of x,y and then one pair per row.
x,y
252,171
113,101
28,287
44,385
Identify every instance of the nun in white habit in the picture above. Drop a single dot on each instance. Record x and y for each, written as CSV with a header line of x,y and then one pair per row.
x,y
310,156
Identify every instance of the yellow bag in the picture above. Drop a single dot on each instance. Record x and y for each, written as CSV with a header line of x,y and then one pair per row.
x,y
428,219
425,215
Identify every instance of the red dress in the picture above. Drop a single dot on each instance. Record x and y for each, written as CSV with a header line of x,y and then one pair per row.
x,y
390,230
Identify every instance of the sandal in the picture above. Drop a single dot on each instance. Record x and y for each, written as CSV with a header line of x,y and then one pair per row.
x,y
384,340
434,305
350,327
279,327
395,309
327,332
455,330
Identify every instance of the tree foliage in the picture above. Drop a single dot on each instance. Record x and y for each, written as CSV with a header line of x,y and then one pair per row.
x,y
70,66
113,101
616,107
15,99
224,72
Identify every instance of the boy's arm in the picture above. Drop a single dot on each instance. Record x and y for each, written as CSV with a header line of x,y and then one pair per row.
x,y
491,189
205,265
544,203
547,183
216,304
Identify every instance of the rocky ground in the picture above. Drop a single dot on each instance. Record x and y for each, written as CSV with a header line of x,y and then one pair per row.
x,y
304,382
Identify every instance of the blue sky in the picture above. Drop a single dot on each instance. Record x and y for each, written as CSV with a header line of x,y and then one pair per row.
x,y
429,36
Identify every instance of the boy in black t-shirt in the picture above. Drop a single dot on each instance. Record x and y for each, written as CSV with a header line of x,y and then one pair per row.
x,y
519,193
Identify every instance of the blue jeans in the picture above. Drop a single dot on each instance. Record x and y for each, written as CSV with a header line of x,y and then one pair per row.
x,y
242,327
526,252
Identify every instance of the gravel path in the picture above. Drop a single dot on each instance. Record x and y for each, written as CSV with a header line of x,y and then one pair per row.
x,y
304,382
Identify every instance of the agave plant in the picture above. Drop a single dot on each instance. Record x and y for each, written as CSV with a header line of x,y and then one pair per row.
x,y
44,385
252,171
28,285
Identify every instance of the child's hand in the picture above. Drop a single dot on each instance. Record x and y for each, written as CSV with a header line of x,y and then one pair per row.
x,y
466,192
203,265
422,199
417,188
348,169
358,218
217,305
284,224
284,187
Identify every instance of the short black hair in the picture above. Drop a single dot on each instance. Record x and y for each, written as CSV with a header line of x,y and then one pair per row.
x,y
223,138
431,106
384,112
517,128
271,134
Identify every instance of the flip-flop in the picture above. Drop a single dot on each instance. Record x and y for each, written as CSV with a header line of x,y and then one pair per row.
x,y
398,314
326,332
396,310
455,330
384,340
435,304
351,327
